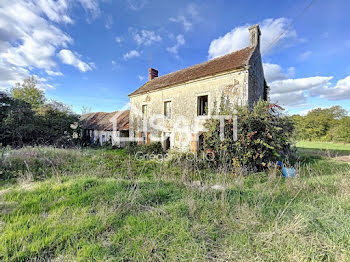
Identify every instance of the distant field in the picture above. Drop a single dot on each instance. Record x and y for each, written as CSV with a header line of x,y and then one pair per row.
x,y
324,148
102,205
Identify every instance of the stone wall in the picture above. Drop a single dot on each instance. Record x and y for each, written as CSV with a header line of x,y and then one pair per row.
x,y
184,107
256,78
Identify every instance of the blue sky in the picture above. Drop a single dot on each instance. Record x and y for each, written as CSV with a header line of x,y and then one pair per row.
x,y
92,54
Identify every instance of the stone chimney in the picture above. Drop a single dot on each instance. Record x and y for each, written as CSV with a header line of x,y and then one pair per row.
x,y
152,73
254,35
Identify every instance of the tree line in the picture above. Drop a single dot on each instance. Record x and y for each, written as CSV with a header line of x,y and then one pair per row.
x,y
323,124
27,117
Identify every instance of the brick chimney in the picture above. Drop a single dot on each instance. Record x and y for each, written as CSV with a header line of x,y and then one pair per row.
x,y
152,73
254,35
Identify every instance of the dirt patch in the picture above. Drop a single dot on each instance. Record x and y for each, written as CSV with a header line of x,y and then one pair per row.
x,y
343,158
4,191
6,207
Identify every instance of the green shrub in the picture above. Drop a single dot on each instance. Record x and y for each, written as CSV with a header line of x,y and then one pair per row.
x,y
263,136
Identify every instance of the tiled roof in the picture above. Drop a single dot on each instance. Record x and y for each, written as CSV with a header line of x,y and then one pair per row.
x,y
102,121
232,61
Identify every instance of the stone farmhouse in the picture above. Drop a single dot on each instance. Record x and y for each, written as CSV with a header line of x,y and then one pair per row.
x,y
99,127
172,108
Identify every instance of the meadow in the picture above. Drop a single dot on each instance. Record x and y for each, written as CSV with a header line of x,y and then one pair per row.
x,y
329,149
104,205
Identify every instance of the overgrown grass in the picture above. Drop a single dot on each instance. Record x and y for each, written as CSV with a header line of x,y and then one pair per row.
x,y
103,205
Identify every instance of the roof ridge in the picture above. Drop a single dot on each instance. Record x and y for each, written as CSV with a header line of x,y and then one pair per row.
x,y
202,63
216,65
101,120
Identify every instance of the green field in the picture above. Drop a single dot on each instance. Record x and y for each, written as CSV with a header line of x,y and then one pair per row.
x,y
324,148
99,205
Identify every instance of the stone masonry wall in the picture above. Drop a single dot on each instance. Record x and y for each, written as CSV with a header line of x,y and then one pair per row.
x,y
256,78
184,106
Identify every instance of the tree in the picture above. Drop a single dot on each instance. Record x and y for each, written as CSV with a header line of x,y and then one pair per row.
x,y
18,122
29,93
26,118
57,120
319,123
341,132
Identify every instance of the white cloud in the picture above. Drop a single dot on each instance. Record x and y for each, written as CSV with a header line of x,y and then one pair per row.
x,y
145,37
274,72
53,73
55,10
141,78
187,17
136,5
10,74
67,57
183,20
36,38
118,39
131,54
115,65
42,83
289,91
30,37
297,98
294,92
109,21
91,6
238,37
305,55
180,40
310,84
340,91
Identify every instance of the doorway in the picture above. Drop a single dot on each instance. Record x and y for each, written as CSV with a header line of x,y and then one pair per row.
x,y
167,143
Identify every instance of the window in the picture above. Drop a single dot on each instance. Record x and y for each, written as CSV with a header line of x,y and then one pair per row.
x,y
144,111
202,104
167,109
201,142
103,139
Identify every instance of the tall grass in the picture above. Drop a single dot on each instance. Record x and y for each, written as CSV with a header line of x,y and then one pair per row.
x,y
105,206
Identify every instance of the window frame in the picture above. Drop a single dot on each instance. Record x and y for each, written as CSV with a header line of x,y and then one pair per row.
x,y
144,116
199,96
170,108
144,138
